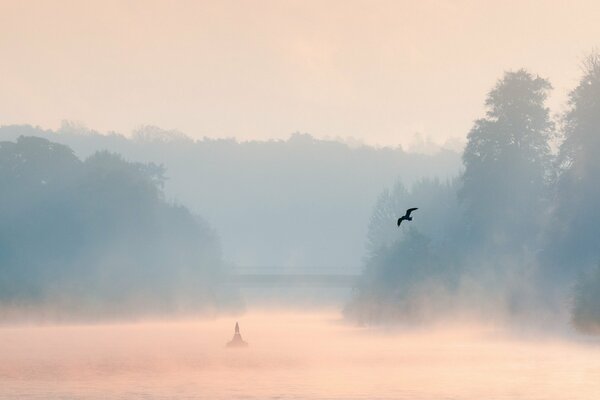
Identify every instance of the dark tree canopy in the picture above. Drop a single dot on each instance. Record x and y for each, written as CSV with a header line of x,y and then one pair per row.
x,y
577,216
97,236
506,161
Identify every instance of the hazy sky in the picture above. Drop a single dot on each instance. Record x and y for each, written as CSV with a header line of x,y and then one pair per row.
x,y
378,71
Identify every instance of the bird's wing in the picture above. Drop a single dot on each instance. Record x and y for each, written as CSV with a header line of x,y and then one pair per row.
x,y
410,210
400,220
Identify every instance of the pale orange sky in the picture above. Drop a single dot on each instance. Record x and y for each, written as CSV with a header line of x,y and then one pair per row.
x,y
378,71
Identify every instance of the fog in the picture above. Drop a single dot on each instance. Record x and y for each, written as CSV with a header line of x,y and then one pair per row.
x,y
110,226
294,204
292,355
377,71
171,169
126,260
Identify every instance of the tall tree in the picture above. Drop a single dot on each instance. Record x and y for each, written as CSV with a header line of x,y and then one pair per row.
x,y
506,163
578,189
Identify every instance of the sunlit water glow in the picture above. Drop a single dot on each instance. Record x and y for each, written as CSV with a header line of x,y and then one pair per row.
x,y
292,355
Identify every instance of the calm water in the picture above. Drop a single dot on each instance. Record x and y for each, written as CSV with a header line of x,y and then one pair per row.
x,y
292,355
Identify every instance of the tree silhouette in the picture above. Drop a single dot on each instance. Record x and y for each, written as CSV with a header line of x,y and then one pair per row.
x,y
578,192
96,237
506,163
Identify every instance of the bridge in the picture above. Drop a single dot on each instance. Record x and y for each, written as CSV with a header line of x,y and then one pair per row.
x,y
270,277
296,280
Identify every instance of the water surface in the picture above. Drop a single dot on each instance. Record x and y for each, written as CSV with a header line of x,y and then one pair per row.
x,y
292,355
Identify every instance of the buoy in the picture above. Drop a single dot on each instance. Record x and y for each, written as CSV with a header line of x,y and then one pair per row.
x,y
237,340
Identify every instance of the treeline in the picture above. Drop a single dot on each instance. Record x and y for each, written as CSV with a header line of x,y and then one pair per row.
x,y
517,234
96,238
300,204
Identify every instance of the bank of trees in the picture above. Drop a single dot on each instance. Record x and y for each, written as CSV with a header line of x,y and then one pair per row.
x,y
252,192
528,238
97,238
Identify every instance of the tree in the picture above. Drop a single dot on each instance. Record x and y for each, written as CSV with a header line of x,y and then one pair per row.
x,y
408,275
382,225
504,185
437,217
405,281
585,312
578,191
96,237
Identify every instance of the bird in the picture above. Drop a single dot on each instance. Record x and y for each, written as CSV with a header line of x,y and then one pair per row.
x,y
406,217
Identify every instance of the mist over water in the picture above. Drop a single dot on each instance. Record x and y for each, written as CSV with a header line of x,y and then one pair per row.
x,y
127,259
292,355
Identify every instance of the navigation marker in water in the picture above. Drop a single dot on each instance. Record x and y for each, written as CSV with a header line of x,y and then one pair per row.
x,y
237,340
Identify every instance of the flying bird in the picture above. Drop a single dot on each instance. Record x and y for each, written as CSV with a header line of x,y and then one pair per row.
x,y
406,217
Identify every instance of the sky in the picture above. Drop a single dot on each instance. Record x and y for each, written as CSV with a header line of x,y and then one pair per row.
x,y
377,72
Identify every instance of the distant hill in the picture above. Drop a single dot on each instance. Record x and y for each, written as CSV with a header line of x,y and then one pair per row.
x,y
295,204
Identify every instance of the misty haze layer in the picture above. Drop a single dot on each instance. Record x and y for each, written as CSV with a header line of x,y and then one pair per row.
x,y
296,355
512,235
301,204
374,70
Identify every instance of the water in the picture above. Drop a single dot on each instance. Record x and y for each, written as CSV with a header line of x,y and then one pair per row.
x,y
292,355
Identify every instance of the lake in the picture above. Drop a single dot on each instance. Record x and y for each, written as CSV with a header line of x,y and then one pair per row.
x,y
292,355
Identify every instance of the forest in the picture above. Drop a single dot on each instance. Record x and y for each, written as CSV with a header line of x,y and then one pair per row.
x,y
96,238
101,224
514,236
290,204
